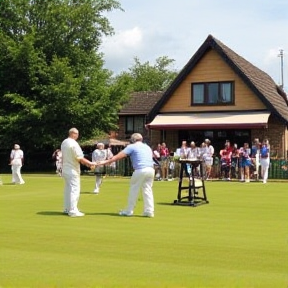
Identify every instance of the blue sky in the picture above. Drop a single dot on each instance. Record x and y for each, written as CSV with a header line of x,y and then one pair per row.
x,y
148,29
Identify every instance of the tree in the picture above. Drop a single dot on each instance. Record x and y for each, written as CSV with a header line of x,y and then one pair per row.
x,y
51,74
147,77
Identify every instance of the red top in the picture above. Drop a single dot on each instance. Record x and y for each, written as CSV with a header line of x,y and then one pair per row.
x,y
164,152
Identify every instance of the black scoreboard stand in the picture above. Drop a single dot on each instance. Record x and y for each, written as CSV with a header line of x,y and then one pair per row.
x,y
196,186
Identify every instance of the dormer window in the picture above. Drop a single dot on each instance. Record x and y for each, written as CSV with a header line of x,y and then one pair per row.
x,y
212,93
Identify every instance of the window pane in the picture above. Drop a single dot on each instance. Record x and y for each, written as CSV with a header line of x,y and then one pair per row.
x,y
222,134
129,124
138,124
226,92
213,93
198,93
208,134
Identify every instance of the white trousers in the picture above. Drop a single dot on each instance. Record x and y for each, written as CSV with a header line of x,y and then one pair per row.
x,y
16,174
265,163
71,192
98,181
142,178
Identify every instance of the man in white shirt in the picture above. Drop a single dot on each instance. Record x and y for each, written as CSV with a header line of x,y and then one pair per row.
x,y
72,156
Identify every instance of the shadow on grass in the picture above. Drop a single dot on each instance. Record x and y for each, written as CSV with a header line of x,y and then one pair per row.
x,y
112,214
103,214
9,184
57,213
85,192
188,204
51,213
166,203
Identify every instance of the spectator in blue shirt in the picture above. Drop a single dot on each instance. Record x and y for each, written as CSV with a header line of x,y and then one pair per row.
x,y
141,156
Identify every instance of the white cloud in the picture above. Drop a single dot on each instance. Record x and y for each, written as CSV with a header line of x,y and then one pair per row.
x,y
130,38
149,29
271,55
122,41
119,48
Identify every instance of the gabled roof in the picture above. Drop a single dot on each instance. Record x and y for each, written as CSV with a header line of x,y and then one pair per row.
x,y
140,103
272,95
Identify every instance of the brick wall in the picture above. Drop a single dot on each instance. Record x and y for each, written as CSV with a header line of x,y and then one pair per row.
x,y
121,128
275,133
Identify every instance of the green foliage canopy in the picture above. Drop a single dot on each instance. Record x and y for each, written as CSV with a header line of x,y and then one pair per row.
x,y
148,77
51,73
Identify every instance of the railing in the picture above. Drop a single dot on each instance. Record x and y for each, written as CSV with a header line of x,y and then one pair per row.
x,y
278,169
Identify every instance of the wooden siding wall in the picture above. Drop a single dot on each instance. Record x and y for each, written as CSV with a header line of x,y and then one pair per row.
x,y
212,68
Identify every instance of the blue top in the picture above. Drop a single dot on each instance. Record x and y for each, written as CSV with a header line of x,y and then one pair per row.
x,y
254,151
264,151
140,155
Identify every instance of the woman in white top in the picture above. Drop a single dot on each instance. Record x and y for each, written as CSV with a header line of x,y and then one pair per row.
x,y
208,158
16,162
99,154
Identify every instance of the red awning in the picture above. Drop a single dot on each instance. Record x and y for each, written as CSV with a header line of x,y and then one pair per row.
x,y
225,120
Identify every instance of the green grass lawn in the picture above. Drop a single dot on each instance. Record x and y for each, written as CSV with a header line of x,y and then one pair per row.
x,y
239,239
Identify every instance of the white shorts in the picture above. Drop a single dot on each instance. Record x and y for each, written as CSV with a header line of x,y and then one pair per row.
x,y
208,161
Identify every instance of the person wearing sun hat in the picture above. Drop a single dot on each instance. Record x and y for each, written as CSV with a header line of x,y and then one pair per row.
x,y
16,162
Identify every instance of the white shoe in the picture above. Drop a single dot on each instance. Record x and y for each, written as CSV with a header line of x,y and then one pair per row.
x,y
126,213
96,191
148,214
76,214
